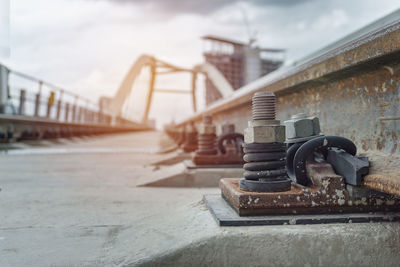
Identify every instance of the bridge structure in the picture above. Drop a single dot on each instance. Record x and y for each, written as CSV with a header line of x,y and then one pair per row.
x,y
50,111
159,67
41,110
89,206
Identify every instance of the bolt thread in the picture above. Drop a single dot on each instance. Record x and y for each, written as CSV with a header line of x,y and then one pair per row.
x,y
263,106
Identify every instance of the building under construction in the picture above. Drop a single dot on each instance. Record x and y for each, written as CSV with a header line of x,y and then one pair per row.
x,y
239,62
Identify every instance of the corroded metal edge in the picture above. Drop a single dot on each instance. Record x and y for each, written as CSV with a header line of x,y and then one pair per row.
x,y
383,183
225,215
297,201
327,194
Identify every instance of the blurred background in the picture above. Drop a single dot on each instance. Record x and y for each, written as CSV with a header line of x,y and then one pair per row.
x,y
88,46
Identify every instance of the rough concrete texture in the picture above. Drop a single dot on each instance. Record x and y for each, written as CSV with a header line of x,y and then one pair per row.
x,y
172,158
76,203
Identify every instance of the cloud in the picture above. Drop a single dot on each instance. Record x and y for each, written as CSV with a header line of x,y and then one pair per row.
x,y
4,28
203,7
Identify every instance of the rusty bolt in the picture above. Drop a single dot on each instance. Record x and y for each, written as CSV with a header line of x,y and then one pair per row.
x,y
207,127
264,148
207,137
264,128
302,126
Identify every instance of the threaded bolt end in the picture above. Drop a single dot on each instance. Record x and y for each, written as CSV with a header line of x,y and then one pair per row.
x,y
263,106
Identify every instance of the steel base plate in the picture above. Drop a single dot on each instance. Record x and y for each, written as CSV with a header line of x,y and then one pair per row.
x,y
225,215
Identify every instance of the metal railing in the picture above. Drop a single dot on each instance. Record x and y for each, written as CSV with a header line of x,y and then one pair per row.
x,y
33,109
29,96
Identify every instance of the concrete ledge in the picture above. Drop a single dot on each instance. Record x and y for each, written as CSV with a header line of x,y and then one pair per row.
x,y
336,245
179,175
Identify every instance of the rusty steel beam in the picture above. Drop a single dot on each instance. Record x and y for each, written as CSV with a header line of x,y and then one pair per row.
x,y
351,88
384,175
371,52
383,183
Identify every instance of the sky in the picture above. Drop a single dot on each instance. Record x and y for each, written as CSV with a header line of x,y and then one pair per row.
x,y
4,28
87,46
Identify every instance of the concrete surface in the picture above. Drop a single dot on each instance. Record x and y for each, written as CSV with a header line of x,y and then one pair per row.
x,y
75,203
174,157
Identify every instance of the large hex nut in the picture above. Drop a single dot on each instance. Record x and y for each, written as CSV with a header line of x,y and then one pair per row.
x,y
302,127
264,134
207,129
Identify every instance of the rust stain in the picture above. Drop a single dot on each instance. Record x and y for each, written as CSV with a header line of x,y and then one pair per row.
x,y
383,183
351,106
327,194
